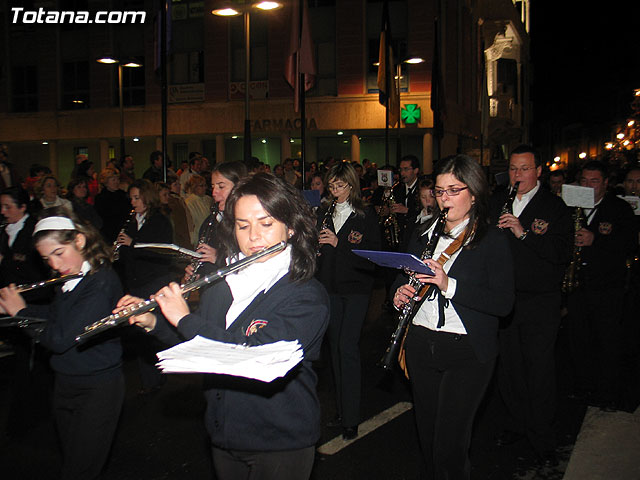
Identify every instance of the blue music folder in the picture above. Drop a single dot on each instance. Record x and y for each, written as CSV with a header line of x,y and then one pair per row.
x,y
404,261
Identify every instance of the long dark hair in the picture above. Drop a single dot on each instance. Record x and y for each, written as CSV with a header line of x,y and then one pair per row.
x,y
469,172
95,250
284,203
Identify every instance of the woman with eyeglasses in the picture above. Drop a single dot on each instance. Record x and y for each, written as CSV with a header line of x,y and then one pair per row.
x,y
452,342
349,280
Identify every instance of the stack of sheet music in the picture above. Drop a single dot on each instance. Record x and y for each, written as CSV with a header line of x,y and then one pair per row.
x,y
202,355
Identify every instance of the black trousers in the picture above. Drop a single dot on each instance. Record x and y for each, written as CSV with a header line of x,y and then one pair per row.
x,y
279,465
448,383
526,369
595,339
86,418
345,324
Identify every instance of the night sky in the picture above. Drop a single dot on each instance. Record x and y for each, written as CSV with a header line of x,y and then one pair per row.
x,y
586,61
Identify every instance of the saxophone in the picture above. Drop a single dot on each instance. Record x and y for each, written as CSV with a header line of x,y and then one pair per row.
x,y
390,222
571,280
409,310
116,245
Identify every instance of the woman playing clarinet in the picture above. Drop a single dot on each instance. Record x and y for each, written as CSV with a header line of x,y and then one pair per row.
x,y
451,345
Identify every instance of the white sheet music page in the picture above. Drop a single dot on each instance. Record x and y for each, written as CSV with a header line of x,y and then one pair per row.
x,y
203,355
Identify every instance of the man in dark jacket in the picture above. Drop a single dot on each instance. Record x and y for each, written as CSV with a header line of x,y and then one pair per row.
x,y
539,231
606,240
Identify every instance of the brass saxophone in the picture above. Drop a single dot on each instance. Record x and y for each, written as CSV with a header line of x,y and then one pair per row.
x,y
571,279
116,245
408,311
390,221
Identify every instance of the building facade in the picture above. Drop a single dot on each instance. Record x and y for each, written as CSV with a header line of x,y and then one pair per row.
x,y
56,100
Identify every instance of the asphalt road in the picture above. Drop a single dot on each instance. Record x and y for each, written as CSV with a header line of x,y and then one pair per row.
x,y
162,436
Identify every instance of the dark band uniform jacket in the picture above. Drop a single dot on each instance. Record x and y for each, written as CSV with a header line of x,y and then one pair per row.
x,y
245,414
615,239
146,272
547,246
92,299
484,290
339,269
21,263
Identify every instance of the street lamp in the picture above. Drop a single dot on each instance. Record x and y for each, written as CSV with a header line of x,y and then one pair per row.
x,y
244,9
109,60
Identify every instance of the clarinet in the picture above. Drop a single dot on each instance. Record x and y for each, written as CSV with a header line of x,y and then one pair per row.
x,y
325,220
116,245
408,310
196,263
508,205
148,305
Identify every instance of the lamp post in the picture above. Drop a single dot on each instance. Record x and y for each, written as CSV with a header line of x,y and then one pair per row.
x,y
244,9
108,60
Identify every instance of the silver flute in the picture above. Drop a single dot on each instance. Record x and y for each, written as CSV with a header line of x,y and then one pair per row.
x,y
147,305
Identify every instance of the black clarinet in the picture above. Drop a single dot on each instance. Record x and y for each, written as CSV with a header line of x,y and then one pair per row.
x,y
408,310
325,220
508,205
204,238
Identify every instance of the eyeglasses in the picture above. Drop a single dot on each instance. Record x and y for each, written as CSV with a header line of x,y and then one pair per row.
x,y
451,192
338,186
521,169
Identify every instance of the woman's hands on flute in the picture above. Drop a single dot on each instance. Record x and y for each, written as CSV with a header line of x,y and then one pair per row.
x,y
170,301
11,301
145,320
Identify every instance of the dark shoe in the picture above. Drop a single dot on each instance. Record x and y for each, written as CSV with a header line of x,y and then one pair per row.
x,y
335,421
508,437
349,433
548,459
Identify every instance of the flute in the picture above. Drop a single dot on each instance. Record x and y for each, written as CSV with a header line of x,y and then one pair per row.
x,y
47,283
149,304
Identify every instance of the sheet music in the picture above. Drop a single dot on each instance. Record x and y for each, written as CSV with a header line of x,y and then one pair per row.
x,y
633,201
203,355
576,196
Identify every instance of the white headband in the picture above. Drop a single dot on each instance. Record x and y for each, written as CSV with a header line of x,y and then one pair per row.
x,y
54,223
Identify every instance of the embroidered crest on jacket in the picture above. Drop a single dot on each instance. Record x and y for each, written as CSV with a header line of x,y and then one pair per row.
x,y
355,237
254,326
605,228
539,226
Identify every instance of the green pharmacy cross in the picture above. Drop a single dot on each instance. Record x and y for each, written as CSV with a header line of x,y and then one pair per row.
x,y
411,114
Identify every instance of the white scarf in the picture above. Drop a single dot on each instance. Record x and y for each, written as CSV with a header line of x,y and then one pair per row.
x,y
341,215
258,277
69,285
13,229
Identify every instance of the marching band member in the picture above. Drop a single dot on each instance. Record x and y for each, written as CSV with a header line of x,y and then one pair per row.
x,y
258,430
89,384
223,178
349,280
452,344
145,272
